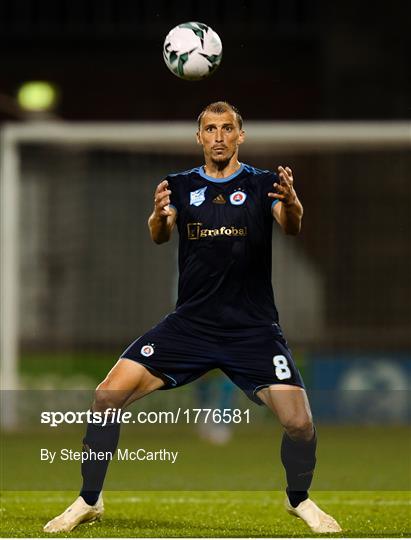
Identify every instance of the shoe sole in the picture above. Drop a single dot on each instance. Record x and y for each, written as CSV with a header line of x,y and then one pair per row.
x,y
290,511
90,520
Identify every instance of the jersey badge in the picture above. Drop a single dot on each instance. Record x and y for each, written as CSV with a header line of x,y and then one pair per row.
x,y
147,350
197,197
237,198
220,199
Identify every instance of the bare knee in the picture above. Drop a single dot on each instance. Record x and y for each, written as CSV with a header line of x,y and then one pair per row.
x,y
291,406
125,383
107,398
299,427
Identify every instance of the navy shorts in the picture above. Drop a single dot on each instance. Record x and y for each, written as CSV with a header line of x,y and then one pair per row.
x,y
253,359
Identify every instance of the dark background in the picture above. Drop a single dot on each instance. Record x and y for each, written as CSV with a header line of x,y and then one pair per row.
x,y
282,59
84,210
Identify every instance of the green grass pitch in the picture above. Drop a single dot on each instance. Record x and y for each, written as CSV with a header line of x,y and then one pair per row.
x,y
208,514
350,459
183,501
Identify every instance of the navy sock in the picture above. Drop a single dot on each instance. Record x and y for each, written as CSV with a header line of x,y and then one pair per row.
x,y
98,438
298,458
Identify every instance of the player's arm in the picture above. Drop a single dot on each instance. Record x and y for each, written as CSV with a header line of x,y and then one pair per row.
x,y
288,212
163,218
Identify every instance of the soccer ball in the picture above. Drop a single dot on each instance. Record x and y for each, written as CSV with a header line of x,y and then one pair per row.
x,y
192,51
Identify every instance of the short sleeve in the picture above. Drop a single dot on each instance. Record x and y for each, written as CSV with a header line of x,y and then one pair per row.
x,y
173,186
269,179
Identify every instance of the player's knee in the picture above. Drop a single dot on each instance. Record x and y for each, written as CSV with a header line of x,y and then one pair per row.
x,y
299,427
105,398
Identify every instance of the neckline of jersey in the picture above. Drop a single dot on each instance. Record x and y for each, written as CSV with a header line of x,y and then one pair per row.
x,y
220,180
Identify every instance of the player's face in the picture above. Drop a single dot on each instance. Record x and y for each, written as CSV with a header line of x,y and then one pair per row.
x,y
220,136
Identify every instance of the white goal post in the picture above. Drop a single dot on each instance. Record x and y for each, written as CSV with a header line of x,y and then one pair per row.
x,y
164,137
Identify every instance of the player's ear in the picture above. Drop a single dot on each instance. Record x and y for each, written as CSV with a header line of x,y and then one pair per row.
x,y
241,137
198,137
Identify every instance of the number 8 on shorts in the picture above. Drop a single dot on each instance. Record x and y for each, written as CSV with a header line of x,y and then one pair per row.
x,y
282,371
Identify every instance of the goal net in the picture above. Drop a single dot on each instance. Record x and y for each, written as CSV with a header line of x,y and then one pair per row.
x,y
81,279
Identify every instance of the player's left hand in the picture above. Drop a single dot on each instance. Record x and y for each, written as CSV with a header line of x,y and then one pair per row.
x,y
284,191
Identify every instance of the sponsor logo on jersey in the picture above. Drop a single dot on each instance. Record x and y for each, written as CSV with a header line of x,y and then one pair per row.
x,y
220,199
147,350
197,197
195,231
237,198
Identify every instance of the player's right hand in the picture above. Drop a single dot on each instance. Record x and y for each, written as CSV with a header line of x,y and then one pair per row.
x,y
162,200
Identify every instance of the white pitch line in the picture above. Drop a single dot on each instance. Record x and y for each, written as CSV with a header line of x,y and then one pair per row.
x,y
219,501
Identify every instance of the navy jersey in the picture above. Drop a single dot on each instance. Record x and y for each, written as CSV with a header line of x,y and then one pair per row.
x,y
225,229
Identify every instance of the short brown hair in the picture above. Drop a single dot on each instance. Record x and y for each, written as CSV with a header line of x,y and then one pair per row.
x,y
220,107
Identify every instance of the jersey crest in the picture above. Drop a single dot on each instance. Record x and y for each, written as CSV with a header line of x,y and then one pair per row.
x,y
197,197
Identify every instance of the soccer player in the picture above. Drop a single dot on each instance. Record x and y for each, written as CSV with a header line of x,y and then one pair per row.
x,y
225,315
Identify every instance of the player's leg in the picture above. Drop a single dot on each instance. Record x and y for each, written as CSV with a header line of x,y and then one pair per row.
x,y
261,364
298,449
166,356
126,382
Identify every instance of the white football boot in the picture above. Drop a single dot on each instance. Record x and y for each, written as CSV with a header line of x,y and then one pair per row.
x,y
314,517
78,512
